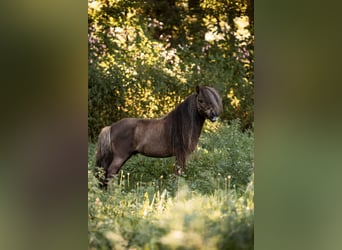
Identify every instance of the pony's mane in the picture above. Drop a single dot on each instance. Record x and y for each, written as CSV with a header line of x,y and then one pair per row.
x,y
183,127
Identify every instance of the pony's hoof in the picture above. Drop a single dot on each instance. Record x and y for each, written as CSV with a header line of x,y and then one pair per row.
x,y
178,171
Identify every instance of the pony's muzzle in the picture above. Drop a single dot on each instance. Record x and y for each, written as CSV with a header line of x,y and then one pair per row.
x,y
214,119
213,116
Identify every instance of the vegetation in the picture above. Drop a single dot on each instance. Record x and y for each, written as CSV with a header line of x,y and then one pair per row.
x,y
146,56
209,207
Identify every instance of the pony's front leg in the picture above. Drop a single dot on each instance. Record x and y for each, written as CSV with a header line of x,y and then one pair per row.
x,y
178,170
179,167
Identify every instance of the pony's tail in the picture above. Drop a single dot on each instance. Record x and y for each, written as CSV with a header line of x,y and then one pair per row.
x,y
104,155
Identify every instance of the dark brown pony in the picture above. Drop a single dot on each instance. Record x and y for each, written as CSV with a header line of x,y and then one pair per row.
x,y
175,134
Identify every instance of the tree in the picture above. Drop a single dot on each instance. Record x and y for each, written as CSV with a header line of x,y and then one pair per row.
x,y
145,57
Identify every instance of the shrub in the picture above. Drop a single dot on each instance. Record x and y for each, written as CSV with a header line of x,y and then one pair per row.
x,y
204,209
143,64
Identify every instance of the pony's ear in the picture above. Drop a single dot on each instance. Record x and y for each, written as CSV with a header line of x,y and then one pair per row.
x,y
198,88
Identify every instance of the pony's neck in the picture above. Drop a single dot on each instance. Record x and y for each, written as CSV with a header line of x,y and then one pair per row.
x,y
196,118
184,127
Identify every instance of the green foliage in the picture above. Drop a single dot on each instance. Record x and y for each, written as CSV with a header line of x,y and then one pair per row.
x,y
147,207
145,57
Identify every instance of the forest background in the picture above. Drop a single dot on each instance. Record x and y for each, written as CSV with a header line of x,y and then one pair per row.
x,y
145,57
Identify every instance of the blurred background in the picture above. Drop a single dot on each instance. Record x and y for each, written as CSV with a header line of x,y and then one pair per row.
x,y
44,96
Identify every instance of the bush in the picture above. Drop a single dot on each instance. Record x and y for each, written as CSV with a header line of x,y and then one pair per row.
x,y
142,64
204,209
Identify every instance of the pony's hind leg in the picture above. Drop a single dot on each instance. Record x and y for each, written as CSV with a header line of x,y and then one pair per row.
x,y
115,166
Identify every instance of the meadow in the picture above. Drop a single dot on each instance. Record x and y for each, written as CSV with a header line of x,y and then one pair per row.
x,y
210,206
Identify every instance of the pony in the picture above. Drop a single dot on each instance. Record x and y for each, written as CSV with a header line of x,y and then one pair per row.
x,y
175,134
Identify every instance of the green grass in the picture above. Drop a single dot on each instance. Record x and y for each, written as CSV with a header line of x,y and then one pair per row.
x,y
209,207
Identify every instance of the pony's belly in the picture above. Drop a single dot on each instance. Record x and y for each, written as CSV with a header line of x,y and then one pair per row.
x,y
157,154
155,149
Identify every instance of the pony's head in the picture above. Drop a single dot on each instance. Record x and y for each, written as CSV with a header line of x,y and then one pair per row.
x,y
209,103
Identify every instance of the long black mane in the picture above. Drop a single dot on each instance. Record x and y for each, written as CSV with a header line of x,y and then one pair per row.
x,y
183,127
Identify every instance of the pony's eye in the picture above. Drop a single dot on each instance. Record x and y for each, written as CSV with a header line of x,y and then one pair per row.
x,y
200,101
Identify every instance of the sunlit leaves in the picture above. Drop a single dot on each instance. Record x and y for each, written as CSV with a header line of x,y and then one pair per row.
x,y
146,207
144,58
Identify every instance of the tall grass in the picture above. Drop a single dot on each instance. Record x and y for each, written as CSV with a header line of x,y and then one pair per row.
x,y
209,207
